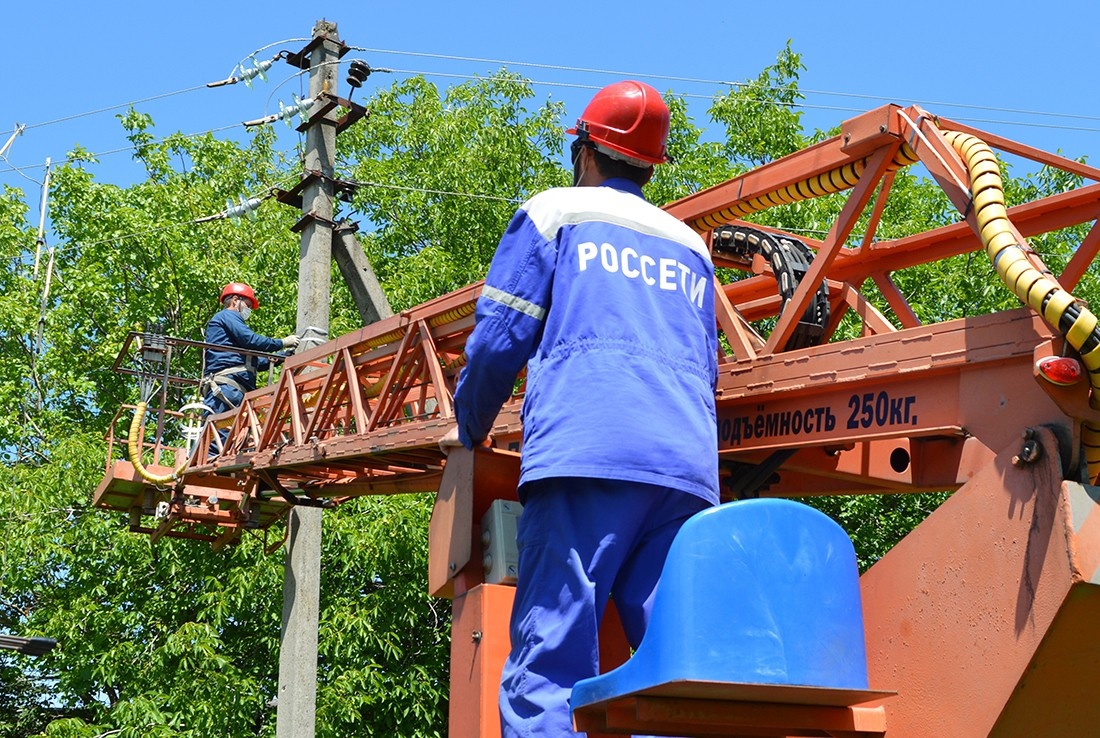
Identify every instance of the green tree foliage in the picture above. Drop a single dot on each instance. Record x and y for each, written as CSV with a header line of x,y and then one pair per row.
x,y
170,639
387,675
761,116
696,164
18,315
442,175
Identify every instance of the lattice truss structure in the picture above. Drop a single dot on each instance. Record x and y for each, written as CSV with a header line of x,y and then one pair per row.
x,y
903,407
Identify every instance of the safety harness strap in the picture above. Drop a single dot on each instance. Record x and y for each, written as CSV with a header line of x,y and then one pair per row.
x,y
211,384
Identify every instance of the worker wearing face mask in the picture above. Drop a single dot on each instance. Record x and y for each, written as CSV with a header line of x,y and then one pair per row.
x,y
228,374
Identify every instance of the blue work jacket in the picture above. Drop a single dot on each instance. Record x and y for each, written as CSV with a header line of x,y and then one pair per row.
x,y
609,301
227,328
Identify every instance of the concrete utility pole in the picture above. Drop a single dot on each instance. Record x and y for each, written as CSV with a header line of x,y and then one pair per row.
x,y
356,270
296,717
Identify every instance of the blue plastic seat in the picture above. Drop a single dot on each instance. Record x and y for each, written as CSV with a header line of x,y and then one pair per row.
x,y
757,592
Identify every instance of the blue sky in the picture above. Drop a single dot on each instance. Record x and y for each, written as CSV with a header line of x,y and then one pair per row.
x,y
67,58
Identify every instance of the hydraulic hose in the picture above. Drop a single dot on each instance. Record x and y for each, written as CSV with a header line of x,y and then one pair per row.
x,y
442,319
835,180
134,446
1060,309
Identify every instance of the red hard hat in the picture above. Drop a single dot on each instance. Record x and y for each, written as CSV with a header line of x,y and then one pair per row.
x,y
630,119
242,290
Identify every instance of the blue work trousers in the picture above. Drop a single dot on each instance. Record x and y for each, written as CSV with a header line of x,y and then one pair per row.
x,y
228,398
580,542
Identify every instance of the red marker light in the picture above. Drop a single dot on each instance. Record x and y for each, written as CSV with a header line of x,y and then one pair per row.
x,y
1060,370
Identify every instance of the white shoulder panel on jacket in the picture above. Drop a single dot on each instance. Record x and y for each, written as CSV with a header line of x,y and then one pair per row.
x,y
552,209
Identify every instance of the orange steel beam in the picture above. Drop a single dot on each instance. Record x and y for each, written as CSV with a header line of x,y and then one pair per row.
x,y
861,195
940,159
1028,152
896,300
1081,259
859,137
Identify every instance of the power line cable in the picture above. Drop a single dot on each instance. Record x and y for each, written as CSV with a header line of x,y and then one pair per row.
x,y
110,108
21,169
139,101
726,83
69,513
799,105
124,149
300,73
188,223
428,191
17,170
151,98
586,70
579,86
556,67
240,64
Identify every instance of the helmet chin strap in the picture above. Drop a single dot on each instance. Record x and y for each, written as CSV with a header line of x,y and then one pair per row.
x,y
578,170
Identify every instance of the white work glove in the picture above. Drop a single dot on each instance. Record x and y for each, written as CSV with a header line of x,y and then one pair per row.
x,y
291,341
450,441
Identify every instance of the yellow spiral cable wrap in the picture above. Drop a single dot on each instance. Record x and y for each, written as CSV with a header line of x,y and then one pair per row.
x,y
1060,309
457,363
134,446
452,315
836,180
442,319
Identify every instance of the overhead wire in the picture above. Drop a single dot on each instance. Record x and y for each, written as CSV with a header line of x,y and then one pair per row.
x,y
428,191
779,104
589,70
556,67
695,80
69,513
20,170
109,108
240,64
186,223
151,98
295,75
122,150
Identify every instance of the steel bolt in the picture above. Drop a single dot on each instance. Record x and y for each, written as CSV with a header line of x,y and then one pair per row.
x,y
1029,454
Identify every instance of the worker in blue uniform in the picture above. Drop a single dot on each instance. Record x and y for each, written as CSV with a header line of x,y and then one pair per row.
x,y
227,374
609,302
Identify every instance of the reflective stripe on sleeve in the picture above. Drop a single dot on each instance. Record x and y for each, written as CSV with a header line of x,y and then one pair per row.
x,y
513,302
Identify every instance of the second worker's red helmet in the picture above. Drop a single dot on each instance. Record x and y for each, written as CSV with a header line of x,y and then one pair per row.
x,y
241,290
